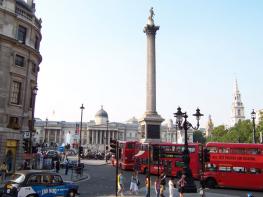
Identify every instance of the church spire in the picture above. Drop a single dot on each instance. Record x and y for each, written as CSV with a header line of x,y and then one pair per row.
x,y
209,126
237,106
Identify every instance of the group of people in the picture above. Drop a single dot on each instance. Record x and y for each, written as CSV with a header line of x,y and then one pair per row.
x,y
159,185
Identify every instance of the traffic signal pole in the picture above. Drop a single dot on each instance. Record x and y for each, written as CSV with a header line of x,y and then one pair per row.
x,y
149,173
117,166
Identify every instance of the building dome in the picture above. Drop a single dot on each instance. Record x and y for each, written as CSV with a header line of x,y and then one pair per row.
x,y
101,116
102,113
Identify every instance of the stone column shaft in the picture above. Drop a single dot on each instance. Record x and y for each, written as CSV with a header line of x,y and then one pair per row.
x,y
151,75
150,31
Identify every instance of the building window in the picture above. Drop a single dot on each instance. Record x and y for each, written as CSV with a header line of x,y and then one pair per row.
x,y
20,60
30,124
1,2
15,92
37,43
13,123
21,35
34,68
238,112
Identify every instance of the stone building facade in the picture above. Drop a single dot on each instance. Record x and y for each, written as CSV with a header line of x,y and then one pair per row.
x,y
20,38
95,135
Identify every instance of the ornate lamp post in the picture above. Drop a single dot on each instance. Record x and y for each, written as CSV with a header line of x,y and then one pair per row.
x,y
80,148
106,141
34,93
253,116
181,121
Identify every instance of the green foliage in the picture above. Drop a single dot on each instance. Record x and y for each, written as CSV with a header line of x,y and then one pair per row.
x,y
242,132
199,137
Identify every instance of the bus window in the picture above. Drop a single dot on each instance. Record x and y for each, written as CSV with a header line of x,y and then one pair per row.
x,y
238,151
239,169
252,151
211,167
255,171
212,149
224,169
130,146
191,149
224,150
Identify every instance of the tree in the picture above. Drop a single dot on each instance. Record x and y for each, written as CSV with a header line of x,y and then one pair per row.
x,y
241,132
199,137
218,134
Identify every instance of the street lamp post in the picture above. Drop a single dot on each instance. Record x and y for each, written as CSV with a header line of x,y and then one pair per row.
x,y
82,108
183,123
106,141
33,101
253,116
45,139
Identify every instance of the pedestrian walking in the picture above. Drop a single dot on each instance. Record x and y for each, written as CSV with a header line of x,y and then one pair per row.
x,y
3,171
162,184
66,167
52,164
57,166
120,181
181,183
172,187
147,185
134,183
157,186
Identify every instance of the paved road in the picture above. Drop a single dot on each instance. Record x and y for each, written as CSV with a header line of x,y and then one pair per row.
x,y
102,183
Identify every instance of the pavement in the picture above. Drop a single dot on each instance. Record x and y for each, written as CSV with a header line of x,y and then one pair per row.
x,y
166,193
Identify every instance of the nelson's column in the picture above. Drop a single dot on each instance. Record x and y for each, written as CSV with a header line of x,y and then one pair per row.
x,y
151,122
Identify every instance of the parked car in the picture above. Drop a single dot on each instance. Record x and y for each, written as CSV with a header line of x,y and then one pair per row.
x,y
38,183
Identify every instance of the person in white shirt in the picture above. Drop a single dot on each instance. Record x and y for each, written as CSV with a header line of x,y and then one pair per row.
x,y
172,186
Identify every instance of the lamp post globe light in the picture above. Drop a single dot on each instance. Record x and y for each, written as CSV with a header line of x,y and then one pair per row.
x,y
80,147
253,116
183,123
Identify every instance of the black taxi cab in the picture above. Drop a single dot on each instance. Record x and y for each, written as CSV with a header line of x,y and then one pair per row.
x,y
33,183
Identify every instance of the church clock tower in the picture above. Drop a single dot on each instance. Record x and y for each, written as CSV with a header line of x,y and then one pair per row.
x,y
237,106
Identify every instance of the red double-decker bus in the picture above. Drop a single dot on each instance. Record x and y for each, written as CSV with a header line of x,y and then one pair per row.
x,y
170,158
235,165
127,150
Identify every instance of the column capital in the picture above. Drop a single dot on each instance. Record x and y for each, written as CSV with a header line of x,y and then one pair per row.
x,y
150,29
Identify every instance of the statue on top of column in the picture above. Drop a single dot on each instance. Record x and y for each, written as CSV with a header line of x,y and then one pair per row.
x,y
150,18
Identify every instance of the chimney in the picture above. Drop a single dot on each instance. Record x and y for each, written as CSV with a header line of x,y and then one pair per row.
x,y
30,3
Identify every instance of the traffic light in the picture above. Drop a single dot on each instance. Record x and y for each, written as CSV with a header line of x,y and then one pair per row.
x,y
206,155
26,145
80,150
113,145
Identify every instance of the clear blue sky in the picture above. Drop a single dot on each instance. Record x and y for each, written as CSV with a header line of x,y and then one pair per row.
x,y
94,52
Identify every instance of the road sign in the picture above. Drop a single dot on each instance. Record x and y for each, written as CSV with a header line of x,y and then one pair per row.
x,y
26,135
